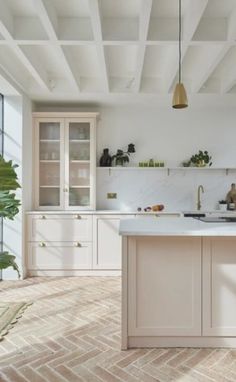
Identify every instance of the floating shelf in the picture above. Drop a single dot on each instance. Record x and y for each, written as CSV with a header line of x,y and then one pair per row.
x,y
49,161
49,186
168,169
79,161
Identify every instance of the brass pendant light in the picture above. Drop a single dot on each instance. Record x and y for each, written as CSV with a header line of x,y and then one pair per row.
x,y
180,100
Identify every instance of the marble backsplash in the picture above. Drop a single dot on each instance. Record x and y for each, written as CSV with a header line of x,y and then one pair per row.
x,y
177,191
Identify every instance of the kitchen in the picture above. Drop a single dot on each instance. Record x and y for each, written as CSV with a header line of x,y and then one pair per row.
x,y
126,177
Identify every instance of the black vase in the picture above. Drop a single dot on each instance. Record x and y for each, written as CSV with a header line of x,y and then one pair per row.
x,y
105,160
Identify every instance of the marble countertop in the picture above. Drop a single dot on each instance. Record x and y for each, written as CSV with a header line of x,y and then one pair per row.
x,y
179,226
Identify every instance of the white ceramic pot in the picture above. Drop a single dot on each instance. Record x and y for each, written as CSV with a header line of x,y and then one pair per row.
x,y
222,207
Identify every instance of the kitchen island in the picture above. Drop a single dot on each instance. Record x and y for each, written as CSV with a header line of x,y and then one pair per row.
x,y
178,283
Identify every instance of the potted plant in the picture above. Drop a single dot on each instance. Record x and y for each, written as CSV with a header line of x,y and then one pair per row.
x,y
201,159
223,205
122,157
9,205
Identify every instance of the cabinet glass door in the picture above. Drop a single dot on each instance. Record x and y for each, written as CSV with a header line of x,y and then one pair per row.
x,y
49,163
79,155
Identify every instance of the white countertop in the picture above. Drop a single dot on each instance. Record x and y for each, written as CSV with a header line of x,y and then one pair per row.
x,y
175,227
134,212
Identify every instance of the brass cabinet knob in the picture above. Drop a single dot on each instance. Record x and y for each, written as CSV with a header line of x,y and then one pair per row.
x,y
78,217
77,244
65,189
42,244
43,217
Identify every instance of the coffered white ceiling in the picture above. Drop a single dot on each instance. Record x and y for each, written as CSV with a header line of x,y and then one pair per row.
x,y
70,49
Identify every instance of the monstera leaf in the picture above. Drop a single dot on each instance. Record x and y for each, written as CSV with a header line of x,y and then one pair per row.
x,y
7,260
9,204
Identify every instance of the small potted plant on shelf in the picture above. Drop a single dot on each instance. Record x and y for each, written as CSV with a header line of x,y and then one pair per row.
x,y
201,159
9,205
222,205
121,157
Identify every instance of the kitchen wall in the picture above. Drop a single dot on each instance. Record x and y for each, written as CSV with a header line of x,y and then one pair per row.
x,y
164,134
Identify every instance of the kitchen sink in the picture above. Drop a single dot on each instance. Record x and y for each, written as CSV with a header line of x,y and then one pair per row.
x,y
219,219
194,215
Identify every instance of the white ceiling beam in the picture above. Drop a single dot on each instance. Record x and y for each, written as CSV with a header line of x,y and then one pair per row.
x,y
97,31
49,21
7,30
144,21
190,23
205,72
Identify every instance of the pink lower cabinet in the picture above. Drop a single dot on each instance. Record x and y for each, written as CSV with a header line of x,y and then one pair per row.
x,y
219,286
59,256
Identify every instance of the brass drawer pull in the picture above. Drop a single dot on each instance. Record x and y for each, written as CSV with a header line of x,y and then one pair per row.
x,y
42,244
43,217
78,244
78,217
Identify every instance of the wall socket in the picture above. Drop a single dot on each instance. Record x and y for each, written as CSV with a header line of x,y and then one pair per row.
x,y
111,195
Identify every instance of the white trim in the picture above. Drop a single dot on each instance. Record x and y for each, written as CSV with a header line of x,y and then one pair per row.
x,y
162,342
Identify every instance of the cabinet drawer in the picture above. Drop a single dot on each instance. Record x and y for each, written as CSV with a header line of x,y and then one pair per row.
x,y
59,256
60,228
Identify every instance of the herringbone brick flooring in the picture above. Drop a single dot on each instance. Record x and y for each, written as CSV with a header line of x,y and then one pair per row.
x,y
72,333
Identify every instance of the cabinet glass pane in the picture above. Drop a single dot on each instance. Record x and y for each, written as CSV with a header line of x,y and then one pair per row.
x,y
79,150
79,131
49,164
79,197
49,130
49,197
79,174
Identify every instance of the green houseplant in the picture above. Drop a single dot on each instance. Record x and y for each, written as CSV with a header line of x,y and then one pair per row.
x,y
121,157
201,159
9,205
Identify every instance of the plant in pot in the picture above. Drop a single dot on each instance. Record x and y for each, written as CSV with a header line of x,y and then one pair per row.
x,y
223,205
121,157
9,205
201,159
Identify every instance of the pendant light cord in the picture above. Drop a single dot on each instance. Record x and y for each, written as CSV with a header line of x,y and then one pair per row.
x,y
180,32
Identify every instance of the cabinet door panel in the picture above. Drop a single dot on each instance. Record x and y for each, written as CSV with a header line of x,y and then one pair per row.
x,y
80,163
49,163
164,286
64,256
107,242
60,228
219,286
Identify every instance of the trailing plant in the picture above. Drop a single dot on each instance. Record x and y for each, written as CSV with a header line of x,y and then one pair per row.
x,y
9,205
201,159
222,202
121,157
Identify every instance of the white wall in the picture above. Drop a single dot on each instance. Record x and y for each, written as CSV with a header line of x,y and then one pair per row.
x,y
164,134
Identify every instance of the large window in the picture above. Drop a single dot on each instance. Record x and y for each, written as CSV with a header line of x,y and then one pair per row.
x,y
1,153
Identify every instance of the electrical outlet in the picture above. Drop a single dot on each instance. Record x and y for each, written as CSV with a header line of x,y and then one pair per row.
x,y
111,195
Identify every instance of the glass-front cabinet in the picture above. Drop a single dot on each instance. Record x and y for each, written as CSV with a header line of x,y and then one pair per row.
x,y
65,161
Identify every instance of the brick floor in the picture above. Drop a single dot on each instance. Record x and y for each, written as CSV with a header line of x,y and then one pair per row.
x,y
72,333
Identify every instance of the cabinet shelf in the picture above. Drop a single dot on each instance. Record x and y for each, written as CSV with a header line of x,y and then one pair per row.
x,y
50,140
45,186
79,140
79,161
79,186
49,161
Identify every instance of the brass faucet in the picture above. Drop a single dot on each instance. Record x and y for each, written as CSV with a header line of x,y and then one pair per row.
x,y
199,190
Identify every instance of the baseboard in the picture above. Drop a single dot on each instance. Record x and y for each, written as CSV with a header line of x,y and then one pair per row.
x,y
73,273
199,342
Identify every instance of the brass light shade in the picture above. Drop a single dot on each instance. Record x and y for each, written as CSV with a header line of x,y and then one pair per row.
x,y
180,100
